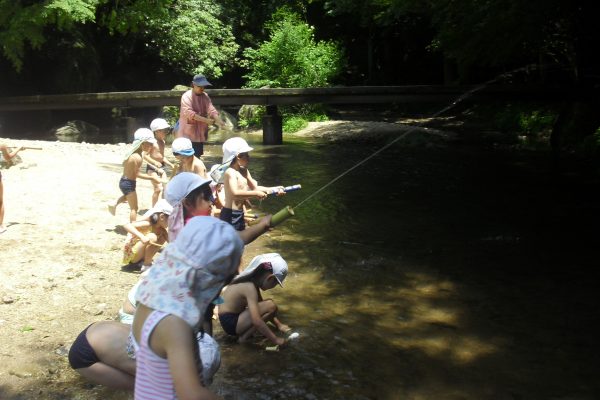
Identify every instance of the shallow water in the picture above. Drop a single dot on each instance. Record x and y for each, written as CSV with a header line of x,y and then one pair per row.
x,y
453,273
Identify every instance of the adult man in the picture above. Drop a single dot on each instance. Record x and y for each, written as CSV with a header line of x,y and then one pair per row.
x,y
196,114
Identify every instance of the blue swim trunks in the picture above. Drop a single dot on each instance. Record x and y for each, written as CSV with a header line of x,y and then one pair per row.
x,y
233,217
126,185
229,322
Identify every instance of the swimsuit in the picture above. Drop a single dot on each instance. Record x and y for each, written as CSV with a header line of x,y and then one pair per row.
x,y
130,252
229,322
81,354
233,217
126,185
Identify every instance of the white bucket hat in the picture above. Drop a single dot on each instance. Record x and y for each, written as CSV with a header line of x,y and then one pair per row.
x,y
191,271
140,136
144,135
176,191
182,146
272,261
234,146
158,124
161,206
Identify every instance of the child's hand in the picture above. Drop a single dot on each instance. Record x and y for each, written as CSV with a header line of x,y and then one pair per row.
x,y
260,194
280,190
280,341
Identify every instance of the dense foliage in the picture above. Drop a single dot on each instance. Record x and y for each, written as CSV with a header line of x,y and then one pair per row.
x,y
292,57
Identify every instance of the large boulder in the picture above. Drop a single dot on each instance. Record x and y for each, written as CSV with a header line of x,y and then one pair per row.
x,y
76,131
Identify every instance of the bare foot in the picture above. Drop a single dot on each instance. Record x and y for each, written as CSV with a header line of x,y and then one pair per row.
x,y
112,209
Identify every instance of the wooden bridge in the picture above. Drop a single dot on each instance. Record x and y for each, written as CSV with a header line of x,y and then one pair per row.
x,y
271,98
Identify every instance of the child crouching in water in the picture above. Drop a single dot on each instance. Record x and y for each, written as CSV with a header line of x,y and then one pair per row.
x,y
244,311
172,300
146,236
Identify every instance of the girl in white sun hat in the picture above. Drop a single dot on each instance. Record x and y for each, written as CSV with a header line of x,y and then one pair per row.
x,y
238,183
146,236
244,311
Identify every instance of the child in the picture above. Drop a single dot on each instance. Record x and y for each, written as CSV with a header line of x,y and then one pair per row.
x,y
244,311
7,156
183,151
172,300
156,157
238,183
146,236
143,141
100,354
190,195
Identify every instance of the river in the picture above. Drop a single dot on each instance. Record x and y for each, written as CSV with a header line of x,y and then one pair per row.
x,y
457,272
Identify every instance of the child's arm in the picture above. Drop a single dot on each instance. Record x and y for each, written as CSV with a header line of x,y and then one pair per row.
x,y
8,156
252,297
253,184
154,178
132,228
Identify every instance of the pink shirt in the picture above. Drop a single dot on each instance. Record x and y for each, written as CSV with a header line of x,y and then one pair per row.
x,y
192,104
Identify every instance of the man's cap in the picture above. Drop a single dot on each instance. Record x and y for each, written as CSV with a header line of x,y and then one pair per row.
x,y
158,124
272,261
182,146
144,135
233,147
200,80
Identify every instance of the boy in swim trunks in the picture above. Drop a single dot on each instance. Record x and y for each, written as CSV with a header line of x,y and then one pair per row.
x,y
243,310
156,157
238,183
143,141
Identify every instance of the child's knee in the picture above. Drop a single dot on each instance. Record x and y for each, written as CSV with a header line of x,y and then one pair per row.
x,y
152,237
271,306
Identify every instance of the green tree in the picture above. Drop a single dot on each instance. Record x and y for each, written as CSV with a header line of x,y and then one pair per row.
x,y
188,35
292,57
23,23
194,39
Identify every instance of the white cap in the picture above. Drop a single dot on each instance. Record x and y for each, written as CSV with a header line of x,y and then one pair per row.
x,y
233,147
271,261
182,146
144,135
161,206
158,124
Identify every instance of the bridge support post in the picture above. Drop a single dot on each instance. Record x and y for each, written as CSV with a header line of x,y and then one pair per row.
x,y
272,126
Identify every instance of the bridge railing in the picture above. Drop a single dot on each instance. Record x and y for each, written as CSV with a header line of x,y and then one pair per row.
x,y
272,129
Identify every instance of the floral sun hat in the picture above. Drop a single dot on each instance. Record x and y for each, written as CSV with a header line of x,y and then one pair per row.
x,y
192,270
